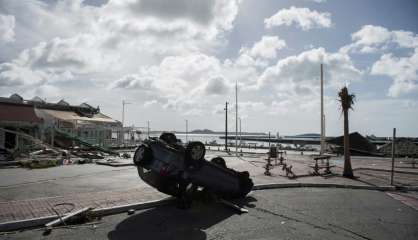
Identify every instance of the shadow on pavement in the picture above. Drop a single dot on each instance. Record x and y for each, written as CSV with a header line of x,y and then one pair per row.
x,y
169,222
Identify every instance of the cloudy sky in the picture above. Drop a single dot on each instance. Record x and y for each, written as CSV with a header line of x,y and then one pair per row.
x,y
180,59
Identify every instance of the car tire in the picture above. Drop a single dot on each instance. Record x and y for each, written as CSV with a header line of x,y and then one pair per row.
x,y
219,161
195,153
169,138
143,155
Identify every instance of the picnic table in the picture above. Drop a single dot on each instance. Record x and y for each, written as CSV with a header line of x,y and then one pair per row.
x,y
276,155
323,165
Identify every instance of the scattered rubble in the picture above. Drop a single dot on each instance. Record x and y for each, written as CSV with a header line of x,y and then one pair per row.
x,y
403,148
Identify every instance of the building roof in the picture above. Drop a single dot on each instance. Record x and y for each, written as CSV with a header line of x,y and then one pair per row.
x,y
73,116
357,142
18,113
16,97
83,109
63,103
37,99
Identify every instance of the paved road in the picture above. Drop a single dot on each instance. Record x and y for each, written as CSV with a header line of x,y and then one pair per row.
x,y
20,183
305,213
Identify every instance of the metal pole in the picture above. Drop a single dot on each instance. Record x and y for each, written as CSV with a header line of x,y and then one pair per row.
x,y
322,111
236,117
226,126
269,141
393,156
123,112
240,133
123,120
148,129
187,129
324,136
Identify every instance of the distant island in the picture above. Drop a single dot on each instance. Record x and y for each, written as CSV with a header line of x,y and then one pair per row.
x,y
203,131
307,135
208,131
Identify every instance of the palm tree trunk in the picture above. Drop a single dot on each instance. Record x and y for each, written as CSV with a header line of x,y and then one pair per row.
x,y
348,171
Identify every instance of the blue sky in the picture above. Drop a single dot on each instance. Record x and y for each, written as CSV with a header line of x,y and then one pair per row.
x,y
180,61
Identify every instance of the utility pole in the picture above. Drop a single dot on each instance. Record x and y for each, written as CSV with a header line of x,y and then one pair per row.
x,y
322,149
187,129
240,134
236,117
148,129
123,120
123,111
226,126
393,156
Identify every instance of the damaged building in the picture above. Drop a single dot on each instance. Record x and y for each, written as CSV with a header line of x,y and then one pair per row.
x,y
403,148
359,145
58,124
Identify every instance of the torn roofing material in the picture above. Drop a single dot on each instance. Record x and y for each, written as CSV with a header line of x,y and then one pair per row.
x,y
74,116
358,144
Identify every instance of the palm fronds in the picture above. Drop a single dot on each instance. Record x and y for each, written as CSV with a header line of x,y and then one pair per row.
x,y
346,99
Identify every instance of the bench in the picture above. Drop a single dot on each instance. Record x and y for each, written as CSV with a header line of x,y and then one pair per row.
x,y
276,155
317,167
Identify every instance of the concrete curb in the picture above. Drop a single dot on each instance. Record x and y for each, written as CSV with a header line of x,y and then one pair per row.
x,y
321,185
386,170
407,188
38,222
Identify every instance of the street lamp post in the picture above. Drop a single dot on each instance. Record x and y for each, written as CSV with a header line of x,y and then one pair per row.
x,y
123,120
236,117
148,129
123,111
240,134
226,126
187,129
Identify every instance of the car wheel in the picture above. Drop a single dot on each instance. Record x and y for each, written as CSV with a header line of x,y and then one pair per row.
x,y
169,138
219,161
143,155
195,152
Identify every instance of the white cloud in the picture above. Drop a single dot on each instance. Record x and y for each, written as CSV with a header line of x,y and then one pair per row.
x,y
303,17
107,42
11,74
133,81
150,103
402,70
299,75
267,47
371,39
58,60
7,25
216,86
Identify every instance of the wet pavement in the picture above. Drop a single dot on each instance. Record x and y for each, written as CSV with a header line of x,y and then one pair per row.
x,y
302,213
28,194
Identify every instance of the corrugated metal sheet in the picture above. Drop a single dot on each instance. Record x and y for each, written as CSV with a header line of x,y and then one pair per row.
x,y
18,113
73,116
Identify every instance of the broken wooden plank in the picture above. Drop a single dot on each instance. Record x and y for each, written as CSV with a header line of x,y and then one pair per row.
x,y
66,217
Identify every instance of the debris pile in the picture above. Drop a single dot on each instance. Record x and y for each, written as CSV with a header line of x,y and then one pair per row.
x,y
403,148
39,154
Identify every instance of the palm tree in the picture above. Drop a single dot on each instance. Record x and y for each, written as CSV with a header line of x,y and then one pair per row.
x,y
347,102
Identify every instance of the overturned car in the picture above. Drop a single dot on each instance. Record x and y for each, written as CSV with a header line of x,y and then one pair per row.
x,y
178,170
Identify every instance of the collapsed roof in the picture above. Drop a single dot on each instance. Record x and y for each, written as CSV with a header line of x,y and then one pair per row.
x,y
359,145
